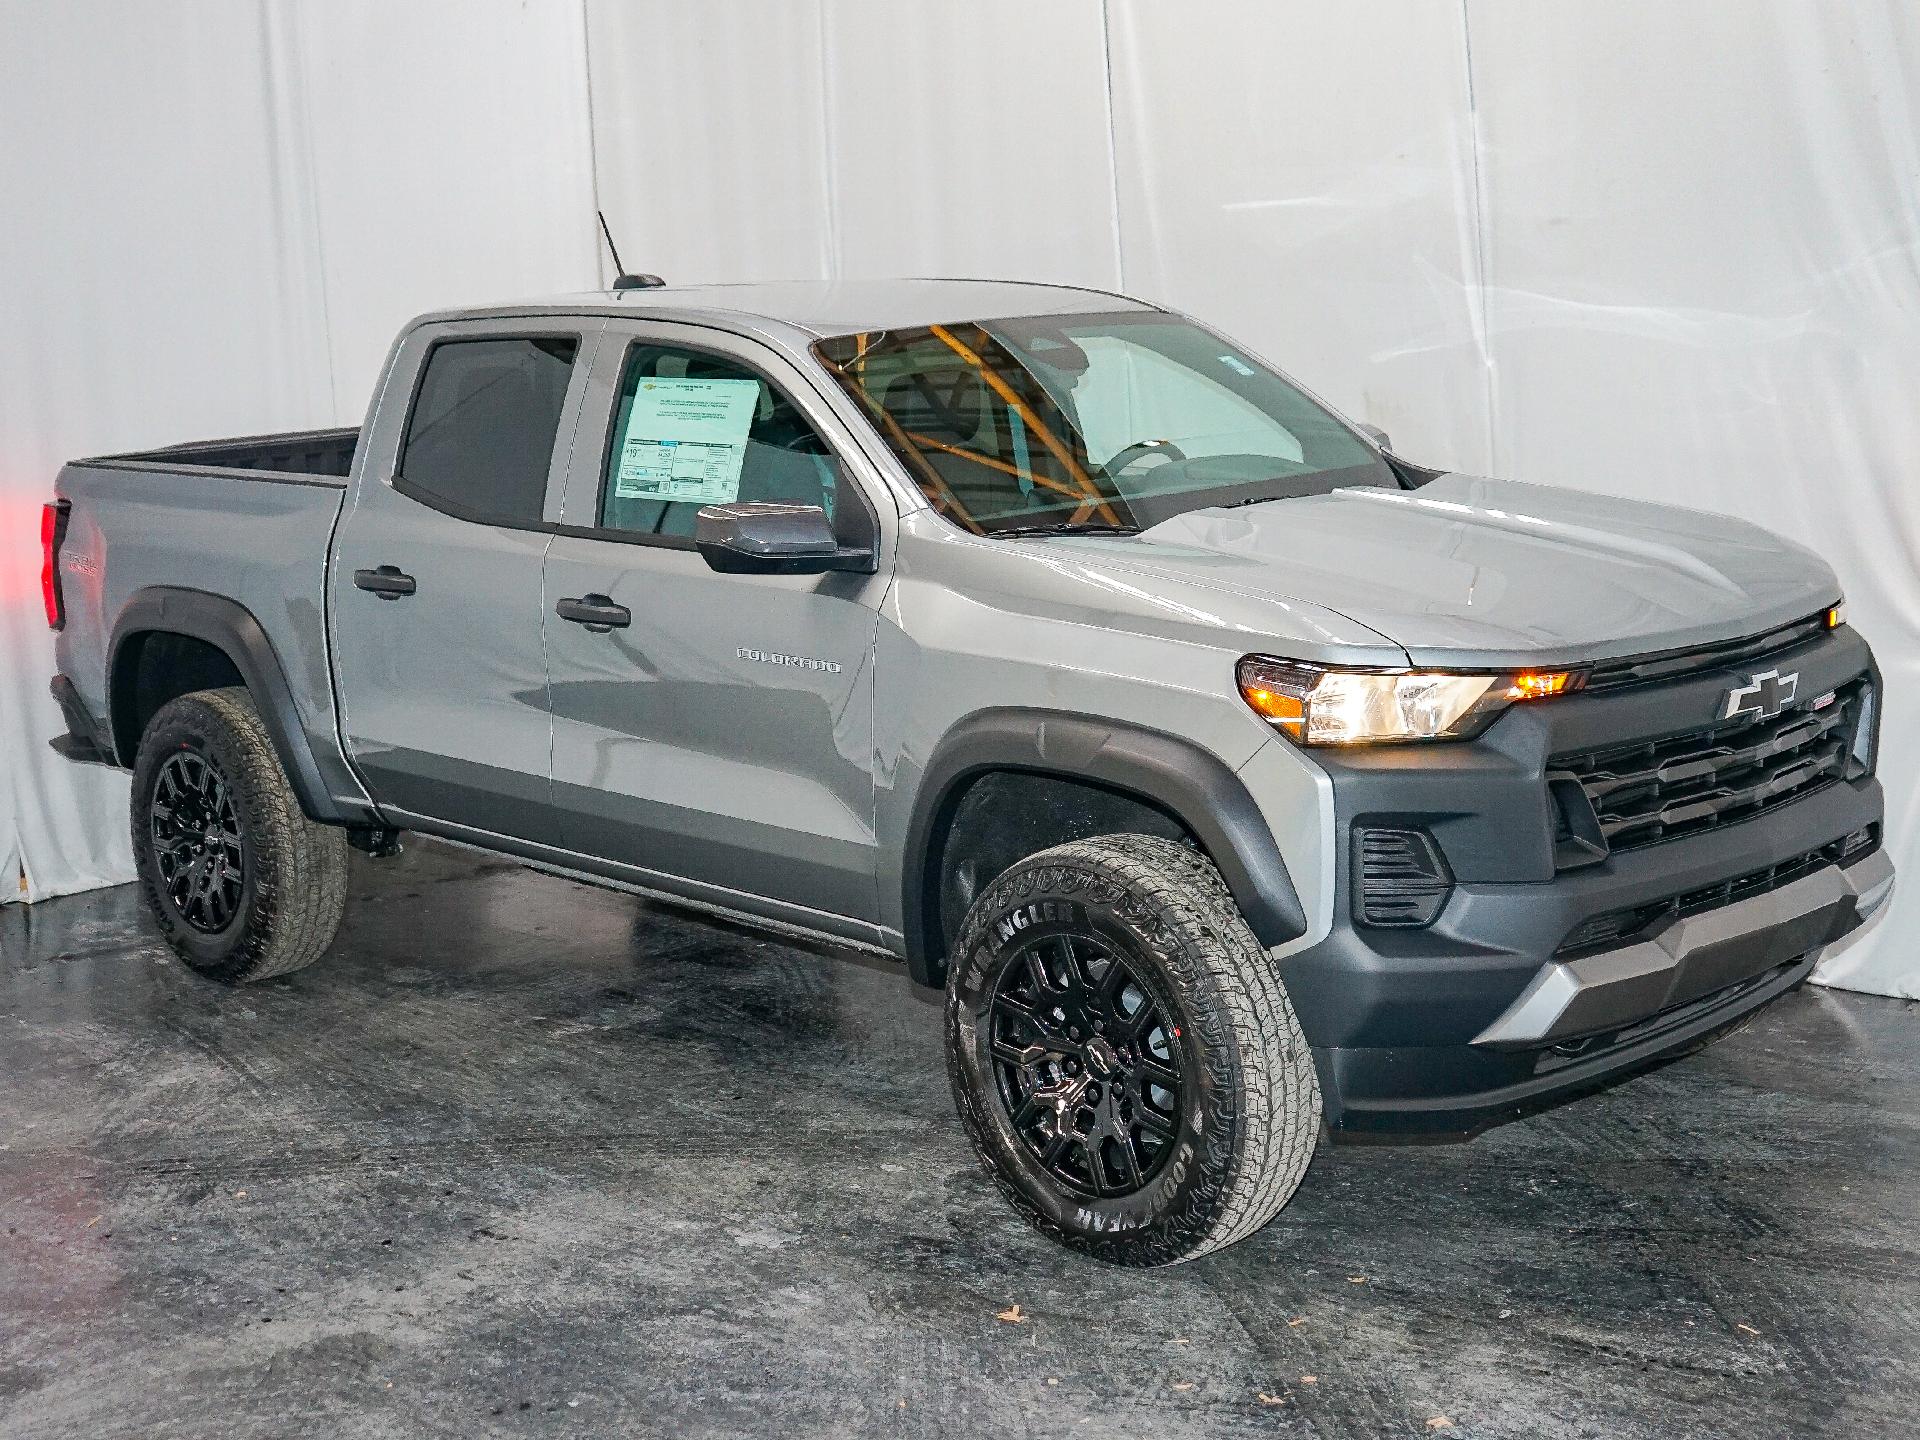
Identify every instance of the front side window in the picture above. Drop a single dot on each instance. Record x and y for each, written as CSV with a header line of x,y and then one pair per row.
x,y
1114,421
481,436
693,429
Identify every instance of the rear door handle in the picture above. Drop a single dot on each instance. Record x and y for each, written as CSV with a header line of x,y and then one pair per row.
x,y
597,612
388,582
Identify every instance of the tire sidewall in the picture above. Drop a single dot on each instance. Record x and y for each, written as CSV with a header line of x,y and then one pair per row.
x,y
187,724
1173,1213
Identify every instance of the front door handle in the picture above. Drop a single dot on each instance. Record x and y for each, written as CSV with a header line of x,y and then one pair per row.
x,y
597,612
388,582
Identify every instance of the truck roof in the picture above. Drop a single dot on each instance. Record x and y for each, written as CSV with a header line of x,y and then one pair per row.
x,y
824,307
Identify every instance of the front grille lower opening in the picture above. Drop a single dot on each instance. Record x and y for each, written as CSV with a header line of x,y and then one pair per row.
x,y
1614,928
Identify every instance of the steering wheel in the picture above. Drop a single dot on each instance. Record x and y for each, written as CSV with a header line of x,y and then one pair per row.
x,y
1124,460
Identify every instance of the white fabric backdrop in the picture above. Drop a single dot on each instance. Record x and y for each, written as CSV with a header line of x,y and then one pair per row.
x,y
216,216
1655,250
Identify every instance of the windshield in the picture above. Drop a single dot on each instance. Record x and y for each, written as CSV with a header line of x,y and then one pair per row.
x,y
1115,421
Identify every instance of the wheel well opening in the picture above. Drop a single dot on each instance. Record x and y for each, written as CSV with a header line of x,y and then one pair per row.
x,y
997,819
154,667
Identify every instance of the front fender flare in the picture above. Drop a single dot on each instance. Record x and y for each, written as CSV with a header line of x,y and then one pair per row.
x,y
1171,774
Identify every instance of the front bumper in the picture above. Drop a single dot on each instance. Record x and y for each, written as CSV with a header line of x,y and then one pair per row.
x,y
1477,1017
1693,957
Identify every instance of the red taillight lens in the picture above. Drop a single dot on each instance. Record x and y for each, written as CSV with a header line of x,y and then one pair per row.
x,y
53,529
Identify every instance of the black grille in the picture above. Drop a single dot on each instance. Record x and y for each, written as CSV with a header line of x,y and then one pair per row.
x,y
1617,927
1659,789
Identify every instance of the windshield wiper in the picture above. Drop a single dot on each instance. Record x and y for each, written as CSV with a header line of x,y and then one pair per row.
x,y
1259,499
1067,527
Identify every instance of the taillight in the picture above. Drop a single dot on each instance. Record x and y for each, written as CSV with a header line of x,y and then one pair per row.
x,y
53,529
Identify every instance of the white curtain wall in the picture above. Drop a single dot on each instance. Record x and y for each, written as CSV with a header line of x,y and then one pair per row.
x,y
214,216
1661,251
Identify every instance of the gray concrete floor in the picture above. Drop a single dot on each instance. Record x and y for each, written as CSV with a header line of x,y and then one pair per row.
x,y
521,1157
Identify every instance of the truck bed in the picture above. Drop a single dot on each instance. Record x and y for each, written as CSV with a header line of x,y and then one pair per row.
x,y
310,454
250,520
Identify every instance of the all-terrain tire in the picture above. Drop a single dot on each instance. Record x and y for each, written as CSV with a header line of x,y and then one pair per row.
x,y
291,890
1248,1100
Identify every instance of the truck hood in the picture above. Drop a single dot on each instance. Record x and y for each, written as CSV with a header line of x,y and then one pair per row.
x,y
1494,572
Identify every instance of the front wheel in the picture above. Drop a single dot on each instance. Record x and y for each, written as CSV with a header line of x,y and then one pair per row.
x,y
244,886
1124,1055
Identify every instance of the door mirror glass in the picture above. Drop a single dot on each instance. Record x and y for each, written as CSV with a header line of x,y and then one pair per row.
x,y
759,537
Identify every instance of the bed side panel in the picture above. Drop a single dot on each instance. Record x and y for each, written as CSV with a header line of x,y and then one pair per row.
x,y
260,542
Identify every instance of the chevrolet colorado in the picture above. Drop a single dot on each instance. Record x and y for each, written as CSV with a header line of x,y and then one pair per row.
x,y
1232,773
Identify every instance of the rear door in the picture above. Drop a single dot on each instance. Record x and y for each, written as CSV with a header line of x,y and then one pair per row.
x,y
436,588
721,734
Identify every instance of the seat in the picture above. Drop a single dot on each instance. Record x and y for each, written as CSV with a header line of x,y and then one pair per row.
x,y
947,407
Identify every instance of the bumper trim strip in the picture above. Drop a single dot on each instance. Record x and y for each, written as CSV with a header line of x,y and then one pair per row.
x,y
1693,956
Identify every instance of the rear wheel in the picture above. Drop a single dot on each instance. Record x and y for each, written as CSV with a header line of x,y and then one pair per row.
x,y
244,886
1124,1055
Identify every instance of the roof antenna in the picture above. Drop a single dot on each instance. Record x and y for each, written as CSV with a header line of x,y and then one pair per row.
x,y
622,280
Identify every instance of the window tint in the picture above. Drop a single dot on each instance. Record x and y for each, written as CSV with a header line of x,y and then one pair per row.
x,y
693,430
481,437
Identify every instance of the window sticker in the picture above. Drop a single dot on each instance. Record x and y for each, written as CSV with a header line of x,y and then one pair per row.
x,y
686,440
1237,365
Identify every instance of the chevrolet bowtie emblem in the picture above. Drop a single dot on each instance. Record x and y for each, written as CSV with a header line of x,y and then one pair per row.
x,y
1764,695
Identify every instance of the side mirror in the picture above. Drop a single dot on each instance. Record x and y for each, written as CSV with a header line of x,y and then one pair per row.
x,y
1375,434
770,537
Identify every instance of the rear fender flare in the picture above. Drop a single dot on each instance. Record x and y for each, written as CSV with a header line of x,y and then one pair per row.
x,y
325,788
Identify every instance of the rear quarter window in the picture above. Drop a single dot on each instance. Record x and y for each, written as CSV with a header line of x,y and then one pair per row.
x,y
480,439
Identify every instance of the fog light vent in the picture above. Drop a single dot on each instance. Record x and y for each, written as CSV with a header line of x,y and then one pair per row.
x,y
1400,877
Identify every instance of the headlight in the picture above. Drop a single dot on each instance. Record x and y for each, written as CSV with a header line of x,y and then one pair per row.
x,y
1319,706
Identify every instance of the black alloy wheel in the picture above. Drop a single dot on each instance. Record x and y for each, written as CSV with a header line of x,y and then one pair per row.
x,y
1123,1052
198,845
1086,1060
243,884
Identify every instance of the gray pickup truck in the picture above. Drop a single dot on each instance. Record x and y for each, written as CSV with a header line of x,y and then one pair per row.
x,y
1231,773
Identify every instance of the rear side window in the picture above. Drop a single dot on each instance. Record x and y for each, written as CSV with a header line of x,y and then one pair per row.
x,y
480,440
693,429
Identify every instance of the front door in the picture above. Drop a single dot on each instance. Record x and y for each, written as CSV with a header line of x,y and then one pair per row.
x,y
714,730
437,572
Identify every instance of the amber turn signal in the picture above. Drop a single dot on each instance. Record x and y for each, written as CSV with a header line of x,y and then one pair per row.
x,y
1284,710
1537,685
